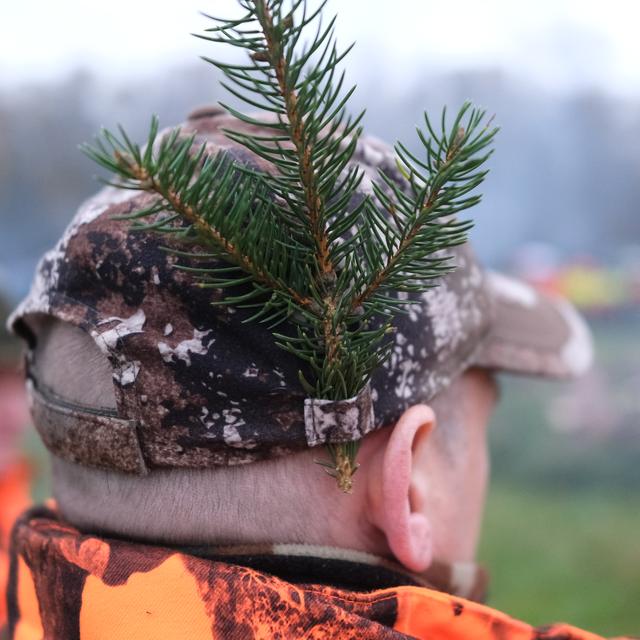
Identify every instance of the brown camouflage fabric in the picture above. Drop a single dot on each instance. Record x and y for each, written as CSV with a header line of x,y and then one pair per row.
x,y
69,586
196,387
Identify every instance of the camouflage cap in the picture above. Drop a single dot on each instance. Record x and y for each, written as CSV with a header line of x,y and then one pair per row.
x,y
197,387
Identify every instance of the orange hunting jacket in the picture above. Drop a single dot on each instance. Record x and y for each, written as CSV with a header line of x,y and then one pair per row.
x,y
68,586
14,498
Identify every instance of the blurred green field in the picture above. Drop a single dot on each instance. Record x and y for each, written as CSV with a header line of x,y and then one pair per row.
x,y
565,556
597,443
562,528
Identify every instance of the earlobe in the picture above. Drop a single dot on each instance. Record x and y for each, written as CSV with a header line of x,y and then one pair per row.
x,y
399,505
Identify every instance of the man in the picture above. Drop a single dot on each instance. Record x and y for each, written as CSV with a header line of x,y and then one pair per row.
x,y
188,504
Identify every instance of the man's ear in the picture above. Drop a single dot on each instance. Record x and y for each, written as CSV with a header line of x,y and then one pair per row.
x,y
397,494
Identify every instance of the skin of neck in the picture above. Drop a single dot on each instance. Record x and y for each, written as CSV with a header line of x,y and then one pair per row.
x,y
418,494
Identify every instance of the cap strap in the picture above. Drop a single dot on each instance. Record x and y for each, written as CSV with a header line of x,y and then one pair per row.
x,y
85,437
333,421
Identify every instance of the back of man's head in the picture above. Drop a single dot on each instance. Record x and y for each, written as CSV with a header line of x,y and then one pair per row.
x,y
174,420
286,500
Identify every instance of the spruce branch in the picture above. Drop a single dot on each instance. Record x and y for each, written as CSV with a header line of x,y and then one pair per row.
x,y
423,223
312,144
302,238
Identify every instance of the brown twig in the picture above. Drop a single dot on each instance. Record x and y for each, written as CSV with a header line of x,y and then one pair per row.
x,y
303,146
308,177
333,336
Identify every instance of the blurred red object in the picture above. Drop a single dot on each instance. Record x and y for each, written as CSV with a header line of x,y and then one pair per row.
x,y
14,415
14,499
14,471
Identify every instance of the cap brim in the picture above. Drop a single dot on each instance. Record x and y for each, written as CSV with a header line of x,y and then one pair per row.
x,y
533,333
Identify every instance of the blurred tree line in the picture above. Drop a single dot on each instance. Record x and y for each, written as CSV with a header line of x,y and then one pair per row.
x,y
565,170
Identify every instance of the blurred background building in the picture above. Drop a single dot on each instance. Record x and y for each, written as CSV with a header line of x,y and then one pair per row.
x,y
561,209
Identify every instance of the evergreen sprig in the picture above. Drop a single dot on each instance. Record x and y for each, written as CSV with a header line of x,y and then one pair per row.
x,y
293,233
210,200
419,223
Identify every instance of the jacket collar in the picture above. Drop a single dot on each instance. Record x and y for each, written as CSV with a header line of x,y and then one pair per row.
x,y
346,568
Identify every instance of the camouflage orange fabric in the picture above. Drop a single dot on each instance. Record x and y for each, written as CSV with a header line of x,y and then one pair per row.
x,y
14,498
66,586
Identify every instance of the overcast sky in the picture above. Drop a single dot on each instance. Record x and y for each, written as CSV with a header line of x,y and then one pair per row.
x,y
557,43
